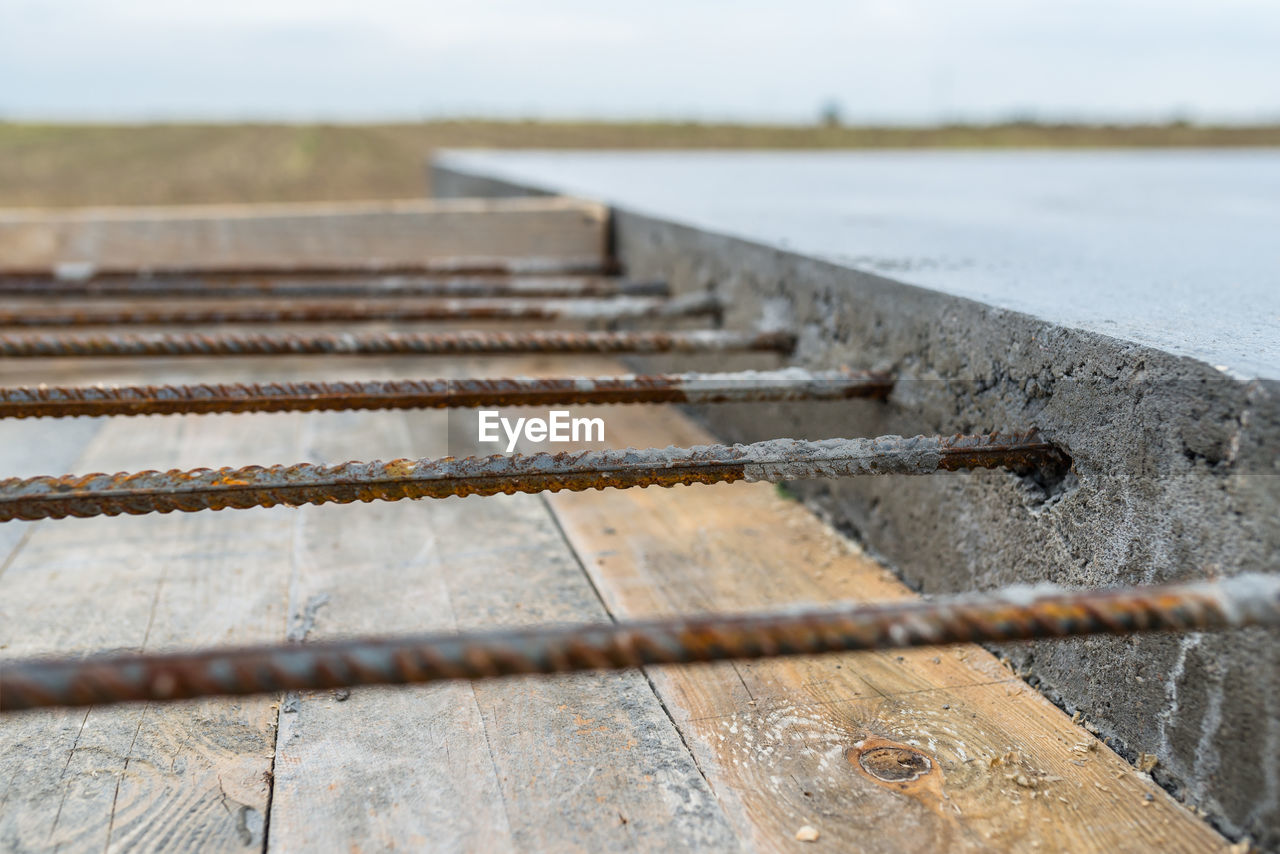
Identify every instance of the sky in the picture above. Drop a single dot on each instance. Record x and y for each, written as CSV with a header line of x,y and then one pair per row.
x,y
880,61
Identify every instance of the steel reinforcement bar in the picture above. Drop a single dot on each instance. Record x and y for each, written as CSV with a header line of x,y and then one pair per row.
x,y
791,384
1018,614
349,311
307,483
294,287
388,343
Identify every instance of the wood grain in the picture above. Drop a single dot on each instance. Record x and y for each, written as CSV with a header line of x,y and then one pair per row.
x,y
145,777
912,751
586,763
59,450
915,751
156,777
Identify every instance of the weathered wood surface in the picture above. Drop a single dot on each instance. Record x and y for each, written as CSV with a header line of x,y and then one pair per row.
x,y
837,742
522,234
588,762
144,777
188,776
60,451
192,776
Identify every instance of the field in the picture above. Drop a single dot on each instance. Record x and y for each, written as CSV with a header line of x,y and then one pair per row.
x,y
189,163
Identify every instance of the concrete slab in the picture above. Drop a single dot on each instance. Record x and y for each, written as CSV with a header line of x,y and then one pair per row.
x,y
1177,250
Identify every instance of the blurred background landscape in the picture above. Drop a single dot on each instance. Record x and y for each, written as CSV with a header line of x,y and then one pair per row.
x,y
146,101
70,164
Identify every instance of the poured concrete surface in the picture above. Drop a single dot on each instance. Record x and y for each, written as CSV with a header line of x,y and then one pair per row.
x,y
1175,465
1173,249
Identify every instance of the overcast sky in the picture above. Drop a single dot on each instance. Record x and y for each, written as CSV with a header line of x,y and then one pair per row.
x,y
880,60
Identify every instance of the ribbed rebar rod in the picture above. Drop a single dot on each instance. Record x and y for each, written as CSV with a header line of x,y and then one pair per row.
x,y
1019,614
791,384
308,483
349,311
387,343
293,287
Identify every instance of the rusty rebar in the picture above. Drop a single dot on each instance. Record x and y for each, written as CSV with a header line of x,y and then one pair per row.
x,y
791,384
387,343
349,311
295,287
307,483
1017,614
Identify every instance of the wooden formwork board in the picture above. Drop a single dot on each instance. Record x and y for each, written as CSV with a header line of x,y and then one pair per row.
x,y
518,235
722,757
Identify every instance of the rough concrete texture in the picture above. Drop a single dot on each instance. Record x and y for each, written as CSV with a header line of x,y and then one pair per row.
x,y
1175,477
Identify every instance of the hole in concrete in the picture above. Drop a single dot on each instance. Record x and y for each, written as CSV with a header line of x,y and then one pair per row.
x,y
1045,485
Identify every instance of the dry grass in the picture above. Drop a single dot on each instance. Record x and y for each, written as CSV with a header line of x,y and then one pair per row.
x,y
158,164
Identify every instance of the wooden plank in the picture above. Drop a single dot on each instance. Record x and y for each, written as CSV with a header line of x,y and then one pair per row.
x,y
146,777
528,764
841,743
190,775
28,448
519,234
586,763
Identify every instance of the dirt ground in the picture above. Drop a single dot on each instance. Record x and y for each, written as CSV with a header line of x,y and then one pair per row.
x,y
189,163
